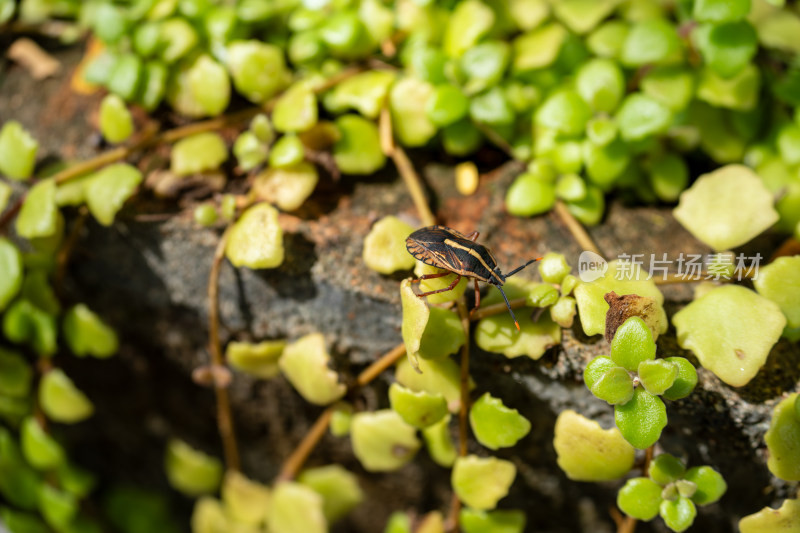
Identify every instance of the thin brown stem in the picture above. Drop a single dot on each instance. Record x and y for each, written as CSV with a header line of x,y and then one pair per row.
x,y
298,458
455,503
224,414
65,252
576,228
405,168
10,213
300,454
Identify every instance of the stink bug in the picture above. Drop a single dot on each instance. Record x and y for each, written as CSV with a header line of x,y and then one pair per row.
x,y
448,249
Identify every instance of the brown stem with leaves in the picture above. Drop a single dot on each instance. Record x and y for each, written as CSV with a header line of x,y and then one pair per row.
x,y
297,459
405,168
224,414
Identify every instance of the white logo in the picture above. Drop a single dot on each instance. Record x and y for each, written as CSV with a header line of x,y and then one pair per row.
x,y
591,266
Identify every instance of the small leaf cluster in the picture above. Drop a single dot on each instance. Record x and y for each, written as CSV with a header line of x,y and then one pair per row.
x,y
632,379
671,491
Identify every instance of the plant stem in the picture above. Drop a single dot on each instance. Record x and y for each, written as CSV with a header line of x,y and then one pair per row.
x,y
576,228
455,503
405,168
295,462
64,253
224,414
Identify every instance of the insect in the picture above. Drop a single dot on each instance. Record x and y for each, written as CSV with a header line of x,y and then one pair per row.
x,y
448,249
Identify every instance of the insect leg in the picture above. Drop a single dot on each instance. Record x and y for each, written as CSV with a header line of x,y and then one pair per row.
x,y
430,276
448,288
477,296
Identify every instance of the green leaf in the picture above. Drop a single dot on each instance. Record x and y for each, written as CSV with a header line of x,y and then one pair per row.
x,y
23,322
640,498
365,92
197,153
398,522
632,344
209,84
15,374
40,449
769,520
669,176
296,508
37,290
720,10
191,471
382,441
443,335
614,386
259,360
653,40
666,468
358,150
11,266
76,480
407,102
61,400
179,38
440,443
710,484
581,16
608,39
415,318
605,163
529,196
779,282
564,111
727,48
641,116
499,334
245,501
20,522
116,122
641,419
258,69
672,86
587,452
305,362
126,76
657,376
17,151
783,440
739,92
249,150
57,507
256,239
470,20
492,108
87,334
601,84
338,487
483,65
538,48
434,284
684,382
730,330
419,409
208,516
435,376
481,482
495,425
296,109
108,190
286,186
678,514
500,521
39,214
596,368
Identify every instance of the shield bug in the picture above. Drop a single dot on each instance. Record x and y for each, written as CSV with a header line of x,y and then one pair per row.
x,y
450,250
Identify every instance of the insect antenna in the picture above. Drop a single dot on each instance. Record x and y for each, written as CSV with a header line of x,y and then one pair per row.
x,y
523,266
508,305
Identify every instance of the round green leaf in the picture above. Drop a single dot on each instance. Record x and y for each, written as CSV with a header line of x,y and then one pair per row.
x,y
296,109
339,489
305,362
87,334
778,281
470,20
641,419
11,266
499,521
258,69
529,196
783,440
15,374
198,152
446,105
481,482
245,501
209,83
710,484
407,102
653,40
107,190
769,520
358,150
256,239
684,382
365,92
440,443
61,400
678,514
443,335
666,468
641,116
40,449
720,10
286,186
657,376
17,151
672,85
640,498
57,507
495,425
632,344
259,360
587,452
116,123
191,471
739,92
382,441
728,47
499,334
564,111
538,48
553,267
601,84
615,386
39,214
295,507
419,409
596,369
